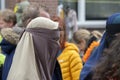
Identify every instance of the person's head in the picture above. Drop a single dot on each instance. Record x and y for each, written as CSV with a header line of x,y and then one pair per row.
x,y
62,29
81,38
94,36
44,12
7,18
112,27
29,13
97,34
66,9
42,22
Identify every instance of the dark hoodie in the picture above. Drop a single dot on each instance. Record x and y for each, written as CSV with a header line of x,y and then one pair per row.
x,y
8,46
8,49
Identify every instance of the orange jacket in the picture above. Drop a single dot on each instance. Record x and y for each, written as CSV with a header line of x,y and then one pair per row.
x,y
89,50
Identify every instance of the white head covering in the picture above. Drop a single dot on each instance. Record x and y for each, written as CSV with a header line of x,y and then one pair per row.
x,y
43,22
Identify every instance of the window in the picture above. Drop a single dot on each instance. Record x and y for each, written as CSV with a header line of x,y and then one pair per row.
x,y
2,4
93,13
101,9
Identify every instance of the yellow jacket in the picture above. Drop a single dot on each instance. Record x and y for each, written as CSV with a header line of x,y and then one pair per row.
x,y
2,57
70,62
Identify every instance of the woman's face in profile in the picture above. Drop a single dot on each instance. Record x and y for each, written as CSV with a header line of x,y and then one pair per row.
x,y
61,30
62,36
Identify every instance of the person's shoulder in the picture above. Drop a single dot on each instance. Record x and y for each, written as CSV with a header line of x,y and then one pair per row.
x,y
71,48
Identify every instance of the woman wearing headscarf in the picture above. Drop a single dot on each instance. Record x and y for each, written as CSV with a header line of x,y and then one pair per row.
x,y
35,55
8,46
112,27
109,66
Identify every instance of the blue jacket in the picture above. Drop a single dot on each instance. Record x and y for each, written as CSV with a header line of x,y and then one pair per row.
x,y
92,61
86,73
8,49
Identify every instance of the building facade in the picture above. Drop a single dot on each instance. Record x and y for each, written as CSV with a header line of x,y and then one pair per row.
x,y
91,13
51,4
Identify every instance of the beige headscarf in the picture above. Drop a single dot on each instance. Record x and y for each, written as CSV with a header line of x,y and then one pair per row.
x,y
24,65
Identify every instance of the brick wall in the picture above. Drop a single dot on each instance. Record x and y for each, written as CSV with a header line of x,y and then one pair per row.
x,y
51,4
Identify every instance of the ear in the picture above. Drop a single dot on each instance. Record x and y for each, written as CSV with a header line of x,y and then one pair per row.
x,y
82,44
82,41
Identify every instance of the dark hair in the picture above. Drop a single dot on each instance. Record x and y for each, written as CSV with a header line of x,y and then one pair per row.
x,y
94,36
109,65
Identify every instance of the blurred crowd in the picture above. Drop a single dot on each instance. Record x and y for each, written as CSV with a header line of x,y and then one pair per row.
x,y
37,46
